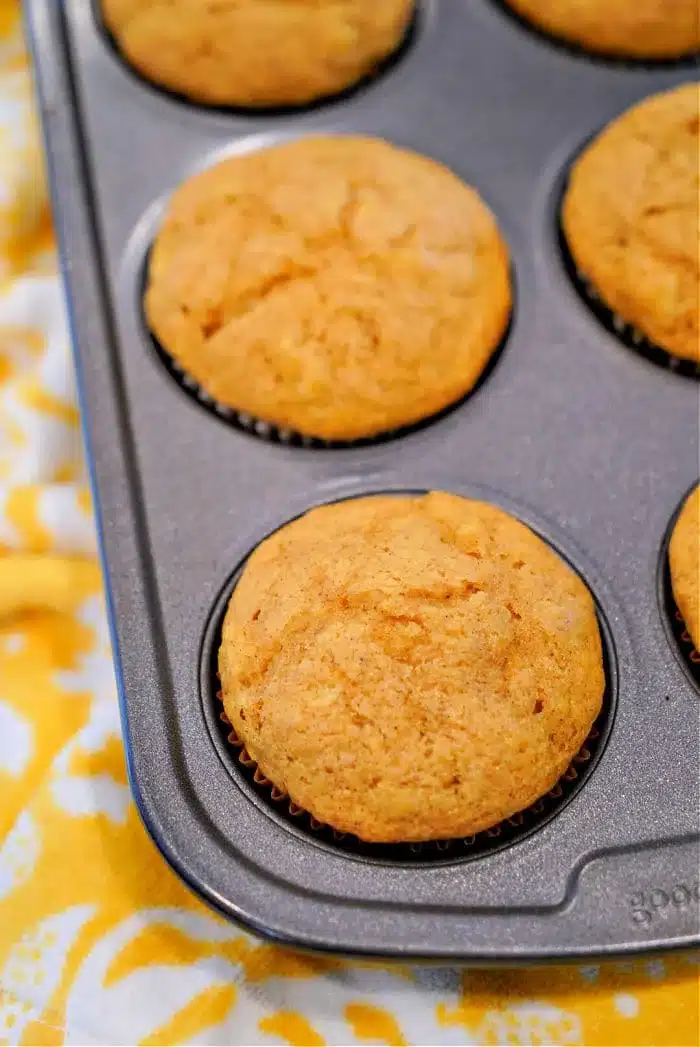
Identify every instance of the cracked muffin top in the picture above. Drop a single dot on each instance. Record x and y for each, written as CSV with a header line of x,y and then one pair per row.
x,y
410,668
630,217
652,29
336,286
684,562
256,53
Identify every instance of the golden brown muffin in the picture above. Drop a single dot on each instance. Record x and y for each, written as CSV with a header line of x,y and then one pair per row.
x,y
257,52
630,217
684,561
410,668
655,29
337,286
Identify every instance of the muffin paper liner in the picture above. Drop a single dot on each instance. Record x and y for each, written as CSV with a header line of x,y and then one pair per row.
x,y
268,431
287,437
688,647
677,627
503,834
625,332
674,624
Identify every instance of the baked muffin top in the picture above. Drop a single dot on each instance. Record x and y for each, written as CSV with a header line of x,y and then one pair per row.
x,y
337,286
630,217
652,29
410,668
256,53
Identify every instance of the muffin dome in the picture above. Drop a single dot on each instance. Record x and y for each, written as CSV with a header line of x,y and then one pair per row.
x,y
654,29
256,53
339,286
630,217
410,668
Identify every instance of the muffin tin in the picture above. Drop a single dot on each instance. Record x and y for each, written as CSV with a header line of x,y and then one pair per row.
x,y
579,435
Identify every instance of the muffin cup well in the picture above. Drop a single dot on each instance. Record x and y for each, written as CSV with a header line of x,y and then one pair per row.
x,y
625,332
245,772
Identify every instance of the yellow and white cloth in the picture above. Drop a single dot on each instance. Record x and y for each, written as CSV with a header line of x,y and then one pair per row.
x,y
99,942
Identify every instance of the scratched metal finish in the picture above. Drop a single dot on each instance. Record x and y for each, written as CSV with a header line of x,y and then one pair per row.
x,y
583,438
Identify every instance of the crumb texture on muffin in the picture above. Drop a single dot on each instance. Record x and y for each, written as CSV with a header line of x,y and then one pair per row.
x,y
654,29
338,286
257,53
684,562
410,668
630,217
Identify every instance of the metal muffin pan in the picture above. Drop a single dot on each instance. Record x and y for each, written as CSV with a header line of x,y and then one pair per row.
x,y
576,433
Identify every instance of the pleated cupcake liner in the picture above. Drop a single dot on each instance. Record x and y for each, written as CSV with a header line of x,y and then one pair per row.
x,y
686,639
687,60
686,646
676,628
271,432
625,332
242,420
287,437
504,833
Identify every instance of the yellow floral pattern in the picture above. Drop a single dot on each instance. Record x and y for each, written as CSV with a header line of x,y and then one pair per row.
x,y
99,941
